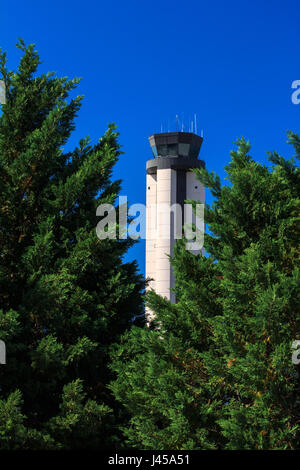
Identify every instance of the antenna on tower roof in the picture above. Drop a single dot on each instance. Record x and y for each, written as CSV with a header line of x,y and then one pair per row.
x,y
176,122
195,117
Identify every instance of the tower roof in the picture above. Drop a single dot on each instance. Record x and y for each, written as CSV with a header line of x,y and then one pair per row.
x,y
176,144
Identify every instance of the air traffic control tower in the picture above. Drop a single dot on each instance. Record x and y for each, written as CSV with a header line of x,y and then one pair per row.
x,y
169,181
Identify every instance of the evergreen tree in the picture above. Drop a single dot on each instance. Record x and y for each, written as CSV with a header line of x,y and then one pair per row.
x,y
65,295
256,222
160,375
215,369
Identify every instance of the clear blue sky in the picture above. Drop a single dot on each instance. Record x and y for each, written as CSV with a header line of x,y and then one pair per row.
x,y
142,62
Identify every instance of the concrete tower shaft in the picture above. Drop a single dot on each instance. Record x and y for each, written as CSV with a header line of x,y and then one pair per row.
x,y
170,181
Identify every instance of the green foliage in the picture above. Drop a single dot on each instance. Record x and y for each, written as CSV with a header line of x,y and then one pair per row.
x,y
65,295
214,370
81,422
13,432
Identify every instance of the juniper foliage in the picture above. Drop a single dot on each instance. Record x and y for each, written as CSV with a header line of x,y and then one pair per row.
x,y
215,370
65,295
